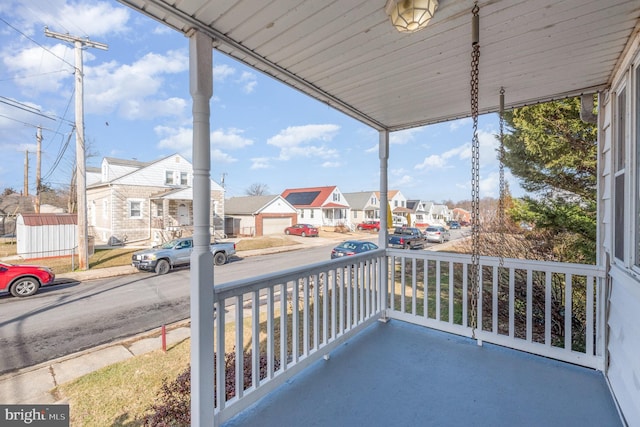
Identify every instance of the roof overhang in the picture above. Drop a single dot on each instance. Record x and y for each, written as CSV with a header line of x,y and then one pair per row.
x,y
346,53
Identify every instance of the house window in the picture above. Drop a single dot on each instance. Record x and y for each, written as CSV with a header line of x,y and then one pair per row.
x,y
301,213
310,213
395,203
336,197
374,200
183,178
355,214
619,174
168,177
135,208
105,209
159,210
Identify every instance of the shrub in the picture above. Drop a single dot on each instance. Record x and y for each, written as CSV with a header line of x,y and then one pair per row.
x,y
173,404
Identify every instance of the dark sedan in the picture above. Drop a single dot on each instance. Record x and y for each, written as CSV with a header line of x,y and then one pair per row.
x,y
352,247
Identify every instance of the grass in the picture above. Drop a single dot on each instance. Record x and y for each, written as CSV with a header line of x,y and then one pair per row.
x,y
120,394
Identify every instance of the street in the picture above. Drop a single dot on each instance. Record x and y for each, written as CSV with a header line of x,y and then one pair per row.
x,y
63,319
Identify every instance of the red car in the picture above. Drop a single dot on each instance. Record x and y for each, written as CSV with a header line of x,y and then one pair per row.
x,y
303,230
369,225
24,280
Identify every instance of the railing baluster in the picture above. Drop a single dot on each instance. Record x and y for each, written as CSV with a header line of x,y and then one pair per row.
x,y
548,315
220,354
341,285
425,301
239,347
255,336
494,300
589,317
568,312
305,316
465,294
295,323
438,290
284,352
316,312
414,286
325,308
512,302
402,284
360,267
480,298
451,294
348,290
270,333
529,305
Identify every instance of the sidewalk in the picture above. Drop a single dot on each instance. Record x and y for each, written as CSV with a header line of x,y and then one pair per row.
x,y
34,384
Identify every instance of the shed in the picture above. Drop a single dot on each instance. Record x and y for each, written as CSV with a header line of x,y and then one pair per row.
x,y
46,235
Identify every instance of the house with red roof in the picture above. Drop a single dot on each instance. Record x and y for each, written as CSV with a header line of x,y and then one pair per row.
x,y
319,206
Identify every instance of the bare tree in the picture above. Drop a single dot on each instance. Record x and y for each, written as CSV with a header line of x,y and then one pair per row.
x,y
257,189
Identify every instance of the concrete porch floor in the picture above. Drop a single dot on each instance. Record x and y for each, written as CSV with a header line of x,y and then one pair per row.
x,y
399,374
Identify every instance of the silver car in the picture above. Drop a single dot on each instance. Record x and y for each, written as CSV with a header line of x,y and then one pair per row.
x,y
437,233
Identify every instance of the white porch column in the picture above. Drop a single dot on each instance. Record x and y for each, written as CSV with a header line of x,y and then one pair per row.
x,y
202,368
383,146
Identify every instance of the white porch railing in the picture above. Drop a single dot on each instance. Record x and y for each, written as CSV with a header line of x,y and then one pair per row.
x,y
546,308
275,325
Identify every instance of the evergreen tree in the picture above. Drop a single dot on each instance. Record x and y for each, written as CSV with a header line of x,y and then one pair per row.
x,y
554,155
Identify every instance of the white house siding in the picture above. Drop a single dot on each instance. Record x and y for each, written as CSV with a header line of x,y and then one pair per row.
x,y
100,223
624,300
156,173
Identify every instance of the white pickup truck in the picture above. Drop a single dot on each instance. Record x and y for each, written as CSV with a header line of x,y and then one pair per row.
x,y
176,253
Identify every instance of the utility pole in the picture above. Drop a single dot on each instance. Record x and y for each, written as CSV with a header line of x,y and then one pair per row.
x,y
38,162
26,174
81,172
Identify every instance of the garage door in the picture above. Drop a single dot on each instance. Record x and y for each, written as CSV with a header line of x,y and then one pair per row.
x,y
275,225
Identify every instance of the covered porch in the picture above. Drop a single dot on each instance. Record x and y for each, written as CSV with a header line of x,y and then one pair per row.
x,y
347,55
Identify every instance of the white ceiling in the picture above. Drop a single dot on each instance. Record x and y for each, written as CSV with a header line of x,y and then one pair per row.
x,y
346,52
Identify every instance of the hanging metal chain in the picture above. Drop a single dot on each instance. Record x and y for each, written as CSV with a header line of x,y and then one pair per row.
x,y
502,201
475,174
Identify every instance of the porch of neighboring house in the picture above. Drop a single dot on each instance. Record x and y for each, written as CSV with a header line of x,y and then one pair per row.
x,y
362,350
336,216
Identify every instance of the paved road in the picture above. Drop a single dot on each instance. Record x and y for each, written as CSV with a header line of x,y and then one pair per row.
x,y
63,319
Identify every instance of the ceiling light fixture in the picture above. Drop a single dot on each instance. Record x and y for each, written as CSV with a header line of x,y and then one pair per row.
x,y
409,16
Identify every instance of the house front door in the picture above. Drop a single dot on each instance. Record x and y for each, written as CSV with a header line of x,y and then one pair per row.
x,y
183,214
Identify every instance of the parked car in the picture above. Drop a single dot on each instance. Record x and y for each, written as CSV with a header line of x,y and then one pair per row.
x,y
369,225
406,238
454,225
177,252
303,230
437,233
24,280
352,247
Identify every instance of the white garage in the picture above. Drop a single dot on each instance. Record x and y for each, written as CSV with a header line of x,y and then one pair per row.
x,y
259,215
276,225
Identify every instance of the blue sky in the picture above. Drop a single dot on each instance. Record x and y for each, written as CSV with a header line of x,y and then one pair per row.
x,y
137,105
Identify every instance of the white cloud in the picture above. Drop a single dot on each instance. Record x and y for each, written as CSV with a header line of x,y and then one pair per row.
x,y
231,138
248,81
260,163
136,91
402,137
181,140
295,141
454,125
331,164
221,72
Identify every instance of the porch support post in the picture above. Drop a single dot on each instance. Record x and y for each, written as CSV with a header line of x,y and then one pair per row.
x,y
383,154
202,295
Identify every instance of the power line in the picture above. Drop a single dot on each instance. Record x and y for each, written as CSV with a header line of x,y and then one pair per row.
x,y
24,107
34,41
